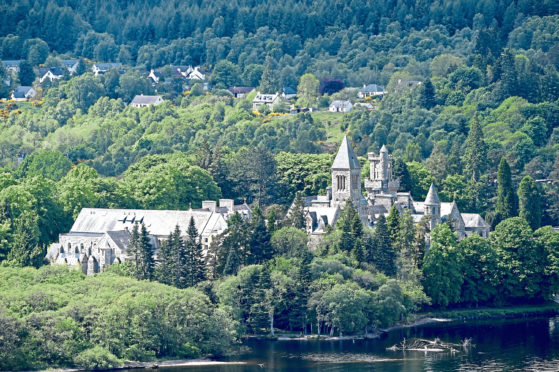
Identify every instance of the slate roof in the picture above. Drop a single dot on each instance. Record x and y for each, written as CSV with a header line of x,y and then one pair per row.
x,y
340,104
240,90
346,158
145,100
69,63
11,63
21,91
372,88
121,238
158,222
288,90
472,220
432,196
107,66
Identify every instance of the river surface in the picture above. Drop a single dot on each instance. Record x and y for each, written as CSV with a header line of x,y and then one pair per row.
x,y
499,345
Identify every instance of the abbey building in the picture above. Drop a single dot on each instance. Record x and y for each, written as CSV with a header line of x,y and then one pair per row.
x,y
382,193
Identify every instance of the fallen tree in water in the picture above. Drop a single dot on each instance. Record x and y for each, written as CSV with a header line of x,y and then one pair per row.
x,y
435,345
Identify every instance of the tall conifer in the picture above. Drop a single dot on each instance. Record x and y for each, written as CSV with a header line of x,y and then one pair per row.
x,y
530,202
507,204
475,157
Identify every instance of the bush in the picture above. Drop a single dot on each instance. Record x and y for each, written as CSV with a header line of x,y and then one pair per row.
x,y
97,358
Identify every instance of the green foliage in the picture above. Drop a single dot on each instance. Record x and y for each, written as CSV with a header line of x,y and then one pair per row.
x,y
529,202
49,164
507,203
51,313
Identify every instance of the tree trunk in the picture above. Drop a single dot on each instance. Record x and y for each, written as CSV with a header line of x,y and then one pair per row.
x,y
272,324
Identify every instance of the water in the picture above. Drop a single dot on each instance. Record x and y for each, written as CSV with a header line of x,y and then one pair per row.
x,y
509,345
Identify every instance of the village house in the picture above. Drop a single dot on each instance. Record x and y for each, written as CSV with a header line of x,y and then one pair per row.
x,y
100,237
196,74
183,71
371,90
71,65
50,73
23,93
240,92
155,76
101,68
322,211
340,106
11,65
269,100
288,93
145,101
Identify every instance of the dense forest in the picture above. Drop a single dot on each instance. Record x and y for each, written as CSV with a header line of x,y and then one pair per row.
x,y
483,125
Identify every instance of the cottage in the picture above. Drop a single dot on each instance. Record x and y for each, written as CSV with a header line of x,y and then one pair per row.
x,y
145,101
340,106
11,65
100,237
240,92
371,90
101,68
365,105
288,93
23,93
155,76
71,65
196,74
51,73
269,100
183,71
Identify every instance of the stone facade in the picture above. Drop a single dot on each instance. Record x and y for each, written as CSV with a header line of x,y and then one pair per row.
x,y
100,237
382,195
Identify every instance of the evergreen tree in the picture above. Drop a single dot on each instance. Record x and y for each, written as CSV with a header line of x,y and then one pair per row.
x,y
196,269
345,222
146,255
167,261
260,247
26,74
475,157
81,68
400,171
383,255
297,217
272,221
232,264
530,202
134,250
298,308
393,224
407,258
427,95
269,82
507,204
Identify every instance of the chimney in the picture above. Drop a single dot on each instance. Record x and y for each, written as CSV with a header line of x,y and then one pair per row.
x,y
227,203
209,204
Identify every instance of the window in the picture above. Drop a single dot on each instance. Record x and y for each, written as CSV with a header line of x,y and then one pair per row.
x,y
340,181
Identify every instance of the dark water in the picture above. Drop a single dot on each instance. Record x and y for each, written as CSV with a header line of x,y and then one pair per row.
x,y
511,345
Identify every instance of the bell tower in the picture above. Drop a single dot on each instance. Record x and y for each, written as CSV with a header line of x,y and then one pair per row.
x,y
346,176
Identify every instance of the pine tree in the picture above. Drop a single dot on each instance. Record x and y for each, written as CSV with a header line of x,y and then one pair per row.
x,y
383,255
475,157
406,260
272,221
393,224
530,202
134,250
298,313
298,212
507,204
268,82
400,171
26,74
166,258
345,222
260,246
146,255
427,95
196,270
232,264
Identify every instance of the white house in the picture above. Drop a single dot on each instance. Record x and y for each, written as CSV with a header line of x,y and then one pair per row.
x,y
145,101
11,65
184,71
196,74
71,65
53,73
269,100
101,68
23,93
340,106
371,90
155,76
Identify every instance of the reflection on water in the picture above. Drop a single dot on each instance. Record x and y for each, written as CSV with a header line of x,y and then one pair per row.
x,y
512,345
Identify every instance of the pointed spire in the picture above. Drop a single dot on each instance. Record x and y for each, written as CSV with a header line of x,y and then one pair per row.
x,y
383,149
346,158
432,196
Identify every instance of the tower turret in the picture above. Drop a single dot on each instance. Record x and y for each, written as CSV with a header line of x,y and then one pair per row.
x,y
346,176
433,207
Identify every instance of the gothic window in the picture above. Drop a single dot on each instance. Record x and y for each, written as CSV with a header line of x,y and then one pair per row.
x,y
340,181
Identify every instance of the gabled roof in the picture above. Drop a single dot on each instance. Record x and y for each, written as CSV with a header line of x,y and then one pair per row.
x,y
432,196
11,63
21,91
120,238
473,220
288,90
372,88
107,66
145,100
68,63
346,158
338,103
240,90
